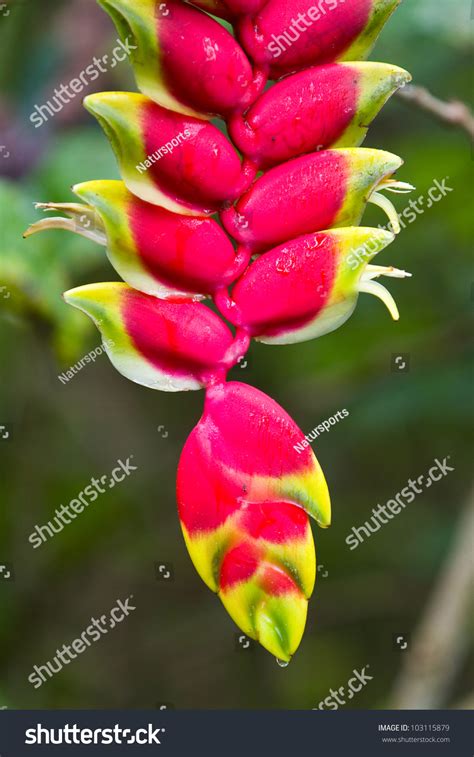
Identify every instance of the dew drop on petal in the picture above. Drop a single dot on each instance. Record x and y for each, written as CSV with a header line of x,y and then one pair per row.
x,y
281,663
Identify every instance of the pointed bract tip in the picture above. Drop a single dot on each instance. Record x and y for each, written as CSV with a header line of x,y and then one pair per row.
x,y
93,293
92,191
101,103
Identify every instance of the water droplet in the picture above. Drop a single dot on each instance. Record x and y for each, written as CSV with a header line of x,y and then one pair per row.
x,y
281,663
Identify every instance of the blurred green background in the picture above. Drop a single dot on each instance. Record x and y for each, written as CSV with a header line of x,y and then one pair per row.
x,y
179,646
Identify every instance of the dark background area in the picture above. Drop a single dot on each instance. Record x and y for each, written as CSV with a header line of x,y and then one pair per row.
x,y
179,646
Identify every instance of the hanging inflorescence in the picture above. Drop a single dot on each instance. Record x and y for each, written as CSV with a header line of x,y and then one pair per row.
x,y
291,199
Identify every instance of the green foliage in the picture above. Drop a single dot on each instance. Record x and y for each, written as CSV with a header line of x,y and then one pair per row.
x,y
36,271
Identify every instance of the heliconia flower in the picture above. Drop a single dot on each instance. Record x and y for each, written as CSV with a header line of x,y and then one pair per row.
x,y
183,59
314,192
230,8
153,250
171,346
248,480
310,286
182,163
288,36
244,492
322,107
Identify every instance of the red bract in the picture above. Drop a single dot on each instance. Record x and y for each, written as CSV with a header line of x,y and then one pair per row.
x,y
245,440
185,60
177,338
309,286
204,169
172,346
181,162
307,194
189,253
243,494
153,250
288,36
203,65
322,107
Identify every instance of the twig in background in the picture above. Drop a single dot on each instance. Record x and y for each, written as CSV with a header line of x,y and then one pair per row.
x,y
455,113
442,637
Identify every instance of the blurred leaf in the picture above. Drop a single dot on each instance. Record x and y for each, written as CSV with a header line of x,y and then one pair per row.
x,y
74,156
35,272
